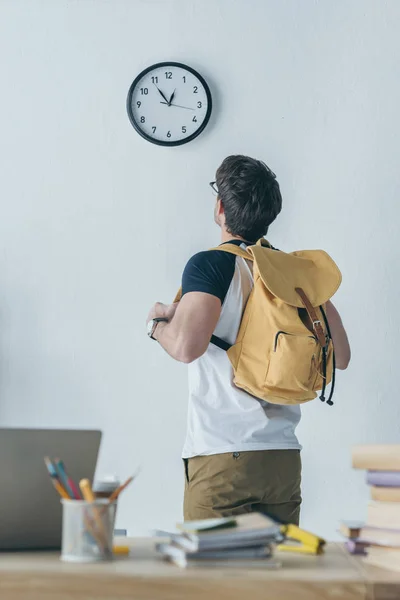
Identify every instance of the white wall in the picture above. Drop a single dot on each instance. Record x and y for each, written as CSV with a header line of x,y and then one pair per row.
x,y
96,223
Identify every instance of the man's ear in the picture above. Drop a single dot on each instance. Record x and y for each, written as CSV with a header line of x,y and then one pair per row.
x,y
220,207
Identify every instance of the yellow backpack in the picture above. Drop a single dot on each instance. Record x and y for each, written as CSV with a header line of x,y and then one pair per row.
x,y
280,355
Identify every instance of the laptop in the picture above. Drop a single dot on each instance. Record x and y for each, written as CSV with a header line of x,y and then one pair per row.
x,y
30,507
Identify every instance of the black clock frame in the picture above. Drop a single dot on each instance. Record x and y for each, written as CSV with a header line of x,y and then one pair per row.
x,y
136,125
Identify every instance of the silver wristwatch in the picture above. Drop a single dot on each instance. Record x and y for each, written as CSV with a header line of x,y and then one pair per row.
x,y
152,326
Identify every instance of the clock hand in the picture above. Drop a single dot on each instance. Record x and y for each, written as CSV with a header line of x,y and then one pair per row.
x,y
172,97
177,106
166,101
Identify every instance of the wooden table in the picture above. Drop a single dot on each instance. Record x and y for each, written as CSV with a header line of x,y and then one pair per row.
x,y
144,576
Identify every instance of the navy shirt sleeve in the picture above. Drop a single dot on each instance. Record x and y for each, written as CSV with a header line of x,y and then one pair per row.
x,y
210,272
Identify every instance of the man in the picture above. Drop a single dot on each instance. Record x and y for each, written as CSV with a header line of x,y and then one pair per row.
x,y
241,454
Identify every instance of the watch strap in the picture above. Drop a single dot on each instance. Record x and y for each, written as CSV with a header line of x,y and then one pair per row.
x,y
156,321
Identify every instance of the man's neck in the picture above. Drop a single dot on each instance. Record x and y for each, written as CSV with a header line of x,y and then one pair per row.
x,y
228,237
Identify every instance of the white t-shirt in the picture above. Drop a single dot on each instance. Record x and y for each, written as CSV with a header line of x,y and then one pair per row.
x,y
221,417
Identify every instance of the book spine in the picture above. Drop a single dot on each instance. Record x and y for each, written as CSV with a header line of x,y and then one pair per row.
x,y
377,457
356,547
384,478
384,515
385,494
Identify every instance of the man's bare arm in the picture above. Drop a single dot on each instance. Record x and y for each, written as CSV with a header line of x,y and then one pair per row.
x,y
187,336
339,336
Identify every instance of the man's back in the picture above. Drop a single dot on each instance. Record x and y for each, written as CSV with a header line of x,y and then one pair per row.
x,y
221,417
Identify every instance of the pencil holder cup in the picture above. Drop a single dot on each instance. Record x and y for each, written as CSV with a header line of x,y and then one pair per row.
x,y
87,530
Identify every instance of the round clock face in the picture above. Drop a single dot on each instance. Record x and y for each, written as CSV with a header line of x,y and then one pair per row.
x,y
169,104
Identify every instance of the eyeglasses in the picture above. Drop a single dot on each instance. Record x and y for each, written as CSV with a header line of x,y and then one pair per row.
x,y
213,185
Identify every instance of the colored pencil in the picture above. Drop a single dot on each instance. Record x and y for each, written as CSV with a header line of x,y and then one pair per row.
x,y
114,496
89,497
87,491
117,492
67,482
55,479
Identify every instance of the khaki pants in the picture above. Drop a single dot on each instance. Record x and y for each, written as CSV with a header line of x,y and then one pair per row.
x,y
224,485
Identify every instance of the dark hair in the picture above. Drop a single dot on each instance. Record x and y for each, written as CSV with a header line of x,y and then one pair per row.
x,y
250,195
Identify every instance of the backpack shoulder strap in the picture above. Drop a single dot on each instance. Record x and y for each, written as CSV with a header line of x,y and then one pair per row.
x,y
233,249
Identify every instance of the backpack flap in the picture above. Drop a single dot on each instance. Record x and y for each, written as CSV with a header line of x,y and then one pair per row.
x,y
306,279
312,270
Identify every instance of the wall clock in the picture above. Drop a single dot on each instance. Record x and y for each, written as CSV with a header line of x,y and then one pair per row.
x,y
169,104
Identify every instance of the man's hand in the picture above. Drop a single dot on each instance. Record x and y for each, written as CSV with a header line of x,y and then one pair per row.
x,y
187,335
164,311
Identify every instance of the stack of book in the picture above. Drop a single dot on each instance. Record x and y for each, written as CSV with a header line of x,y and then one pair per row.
x,y
351,530
243,541
380,535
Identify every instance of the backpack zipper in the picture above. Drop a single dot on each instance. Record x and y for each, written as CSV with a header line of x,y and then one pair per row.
x,y
286,333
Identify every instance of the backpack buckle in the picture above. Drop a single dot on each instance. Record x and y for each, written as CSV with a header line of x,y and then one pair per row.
x,y
321,336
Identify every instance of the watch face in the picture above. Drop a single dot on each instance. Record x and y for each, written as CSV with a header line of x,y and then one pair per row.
x,y
169,104
150,326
